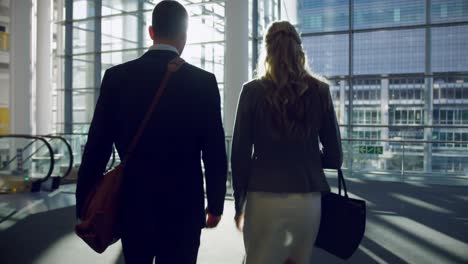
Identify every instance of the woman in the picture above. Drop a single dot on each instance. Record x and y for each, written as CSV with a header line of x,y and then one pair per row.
x,y
277,165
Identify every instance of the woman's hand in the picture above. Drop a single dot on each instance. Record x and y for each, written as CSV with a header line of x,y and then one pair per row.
x,y
239,218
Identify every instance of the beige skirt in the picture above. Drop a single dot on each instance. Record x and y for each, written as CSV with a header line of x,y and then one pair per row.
x,y
281,226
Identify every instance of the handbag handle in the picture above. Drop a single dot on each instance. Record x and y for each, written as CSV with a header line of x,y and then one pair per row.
x,y
172,67
341,181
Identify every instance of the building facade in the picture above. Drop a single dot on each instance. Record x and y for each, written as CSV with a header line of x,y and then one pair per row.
x,y
398,71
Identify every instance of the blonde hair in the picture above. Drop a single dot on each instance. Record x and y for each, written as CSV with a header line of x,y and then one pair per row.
x,y
284,64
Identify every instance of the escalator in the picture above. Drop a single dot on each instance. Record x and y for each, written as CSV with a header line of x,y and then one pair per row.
x,y
22,172
25,163
33,153
39,173
77,143
63,162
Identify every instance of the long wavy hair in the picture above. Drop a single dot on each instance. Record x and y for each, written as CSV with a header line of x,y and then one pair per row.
x,y
284,66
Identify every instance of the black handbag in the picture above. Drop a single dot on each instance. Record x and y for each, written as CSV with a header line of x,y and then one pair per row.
x,y
342,223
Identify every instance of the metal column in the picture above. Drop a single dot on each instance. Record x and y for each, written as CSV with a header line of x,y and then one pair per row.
x,y
44,68
97,47
254,35
68,82
236,57
350,84
20,67
141,28
428,93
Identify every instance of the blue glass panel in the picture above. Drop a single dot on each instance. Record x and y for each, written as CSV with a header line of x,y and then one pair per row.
x,y
384,13
323,15
450,49
449,10
387,52
328,55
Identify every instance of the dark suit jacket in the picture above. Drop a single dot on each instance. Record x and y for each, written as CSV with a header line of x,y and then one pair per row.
x,y
163,181
281,164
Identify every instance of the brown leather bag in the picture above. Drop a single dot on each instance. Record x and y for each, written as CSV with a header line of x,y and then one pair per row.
x,y
99,226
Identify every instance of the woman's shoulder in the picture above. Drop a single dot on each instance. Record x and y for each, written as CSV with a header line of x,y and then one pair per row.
x,y
256,83
317,81
254,86
317,85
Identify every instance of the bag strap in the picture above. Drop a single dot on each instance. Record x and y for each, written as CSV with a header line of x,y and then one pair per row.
x,y
341,180
172,67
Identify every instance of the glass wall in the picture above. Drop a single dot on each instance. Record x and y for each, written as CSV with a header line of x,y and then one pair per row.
x,y
109,32
323,16
261,14
397,71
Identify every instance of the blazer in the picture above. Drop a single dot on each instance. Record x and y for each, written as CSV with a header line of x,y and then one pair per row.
x,y
163,182
263,161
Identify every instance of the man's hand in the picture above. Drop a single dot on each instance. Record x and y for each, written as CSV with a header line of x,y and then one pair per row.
x,y
212,220
239,218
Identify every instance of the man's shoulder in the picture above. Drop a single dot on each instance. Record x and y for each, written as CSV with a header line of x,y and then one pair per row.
x,y
119,68
192,69
138,62
130,65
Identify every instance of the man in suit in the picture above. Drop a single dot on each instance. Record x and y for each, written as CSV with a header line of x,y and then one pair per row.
x,y
163,205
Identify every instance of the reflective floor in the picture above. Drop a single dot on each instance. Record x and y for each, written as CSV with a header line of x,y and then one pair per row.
x,y
406,223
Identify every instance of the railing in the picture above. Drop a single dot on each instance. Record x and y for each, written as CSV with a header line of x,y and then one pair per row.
x,y
77,142
401,160
416,147
63,161
67,151
21,146
37,150
59,146
379,159
64,146
401,126
405,159
26,147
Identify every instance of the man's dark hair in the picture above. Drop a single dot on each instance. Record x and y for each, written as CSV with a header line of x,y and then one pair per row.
x,y
170,19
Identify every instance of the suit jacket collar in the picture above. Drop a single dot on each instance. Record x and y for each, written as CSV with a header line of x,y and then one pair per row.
x,y
164,47
165,55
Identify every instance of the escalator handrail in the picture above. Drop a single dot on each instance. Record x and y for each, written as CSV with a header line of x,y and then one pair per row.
x,y
111,165
70,152
32,154
25,147
46,143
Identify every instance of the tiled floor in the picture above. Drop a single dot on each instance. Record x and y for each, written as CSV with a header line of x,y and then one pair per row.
x,y
406,223
42,232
